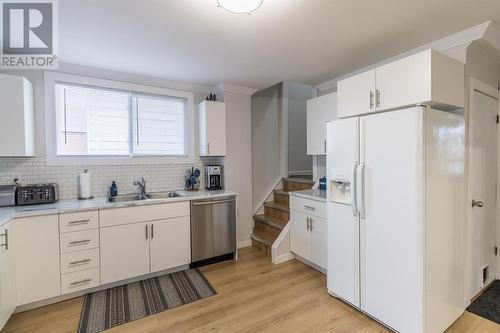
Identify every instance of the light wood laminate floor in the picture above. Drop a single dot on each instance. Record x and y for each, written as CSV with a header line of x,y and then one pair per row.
x,y
253,296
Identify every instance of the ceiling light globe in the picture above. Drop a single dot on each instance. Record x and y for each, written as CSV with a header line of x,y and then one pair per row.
x,y
240,6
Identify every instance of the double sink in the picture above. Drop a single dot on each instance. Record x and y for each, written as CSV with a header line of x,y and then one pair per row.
x,y
139,196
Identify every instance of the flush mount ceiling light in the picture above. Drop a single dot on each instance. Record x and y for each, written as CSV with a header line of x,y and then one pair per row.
x,y
240,6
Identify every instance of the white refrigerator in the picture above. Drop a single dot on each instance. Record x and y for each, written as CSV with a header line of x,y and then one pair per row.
x,y
396,216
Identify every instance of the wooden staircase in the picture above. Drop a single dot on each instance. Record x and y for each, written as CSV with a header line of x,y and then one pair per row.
x,y
268,226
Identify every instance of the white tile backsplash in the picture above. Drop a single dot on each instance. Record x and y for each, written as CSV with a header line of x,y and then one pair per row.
x,y
159,177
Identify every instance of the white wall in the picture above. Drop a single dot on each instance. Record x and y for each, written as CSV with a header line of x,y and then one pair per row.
x,y
299,163
238,161
266,142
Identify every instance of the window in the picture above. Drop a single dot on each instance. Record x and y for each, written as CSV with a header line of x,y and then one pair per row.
x,y
96,121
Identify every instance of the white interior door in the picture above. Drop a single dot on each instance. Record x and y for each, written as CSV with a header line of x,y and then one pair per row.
x,y
124,251
342,217
482,178
7,278
391,151
170,243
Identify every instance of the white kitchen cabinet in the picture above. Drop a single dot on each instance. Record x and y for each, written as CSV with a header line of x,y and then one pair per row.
x,y
308,230
300,236
16,116
170,243
124,251
212,128
36,244
7,276
427,77
319,111
356,95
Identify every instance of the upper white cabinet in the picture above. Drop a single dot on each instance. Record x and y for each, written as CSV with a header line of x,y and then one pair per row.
x,y
7,277
212,128
319,111
426,77
16,116
36,242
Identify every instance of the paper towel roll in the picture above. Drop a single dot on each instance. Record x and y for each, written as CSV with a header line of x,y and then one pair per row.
x,y
85,185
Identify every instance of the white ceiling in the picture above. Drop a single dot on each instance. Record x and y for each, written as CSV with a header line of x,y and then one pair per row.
x,y
308,41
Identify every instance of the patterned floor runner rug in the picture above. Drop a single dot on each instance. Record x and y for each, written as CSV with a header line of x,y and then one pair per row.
x,y
116,306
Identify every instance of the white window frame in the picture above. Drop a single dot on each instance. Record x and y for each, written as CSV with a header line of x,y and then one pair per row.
x,y
51,78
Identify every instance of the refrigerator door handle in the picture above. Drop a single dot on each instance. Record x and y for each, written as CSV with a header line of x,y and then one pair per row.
x,y
354,189
360,190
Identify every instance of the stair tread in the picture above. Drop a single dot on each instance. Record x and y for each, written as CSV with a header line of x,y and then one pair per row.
x,y
271,221
263,237
281,192
278,206
299,180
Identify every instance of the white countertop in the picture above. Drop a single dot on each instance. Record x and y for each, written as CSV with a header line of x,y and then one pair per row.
x,y
313,194
67,206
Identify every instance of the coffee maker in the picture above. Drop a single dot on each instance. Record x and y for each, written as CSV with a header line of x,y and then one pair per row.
x,y
213,177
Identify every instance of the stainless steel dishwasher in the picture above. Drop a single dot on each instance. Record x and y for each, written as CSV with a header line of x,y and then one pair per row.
x,y
213,230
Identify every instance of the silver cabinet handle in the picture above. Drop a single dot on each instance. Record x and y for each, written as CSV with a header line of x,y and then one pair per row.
x,y
325,146
80,282
6,235
79,262
307,223
208,148
310,207
79,242
152,231
147,232
371,99
311,227
478,204
377,98
211,202
78,222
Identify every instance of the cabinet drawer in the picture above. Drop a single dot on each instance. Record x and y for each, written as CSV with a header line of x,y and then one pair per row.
x,y
126,215
79,240
70,222
311,207
81,280
78,261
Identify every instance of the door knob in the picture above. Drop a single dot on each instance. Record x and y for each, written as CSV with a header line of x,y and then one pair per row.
x,y
477,203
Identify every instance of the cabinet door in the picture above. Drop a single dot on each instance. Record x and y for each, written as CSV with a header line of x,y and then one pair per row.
x,y
356,95
404,82
36,243
319,111
7,277
300,236
170,243
124,252
212,118
318,241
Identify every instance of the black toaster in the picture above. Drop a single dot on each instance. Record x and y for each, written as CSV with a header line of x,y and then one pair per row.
x,y
36,194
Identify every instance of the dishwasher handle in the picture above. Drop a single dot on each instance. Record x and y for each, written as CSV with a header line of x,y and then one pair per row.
x,y
212,202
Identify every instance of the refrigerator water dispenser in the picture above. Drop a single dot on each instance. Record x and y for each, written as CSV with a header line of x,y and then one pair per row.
x,y
340,191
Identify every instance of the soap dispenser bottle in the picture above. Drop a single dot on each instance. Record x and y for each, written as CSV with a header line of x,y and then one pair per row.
x,y
113,190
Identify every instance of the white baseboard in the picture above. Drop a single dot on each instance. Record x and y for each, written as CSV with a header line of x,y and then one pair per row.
x,y
284,257
244,243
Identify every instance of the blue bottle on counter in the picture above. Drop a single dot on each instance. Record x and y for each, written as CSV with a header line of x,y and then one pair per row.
x,y
113,190
322,183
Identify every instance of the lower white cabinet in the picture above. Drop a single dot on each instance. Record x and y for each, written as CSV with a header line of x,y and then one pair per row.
x,y
170,243
124,252
141,248
308,230
76,281
7,276
36,244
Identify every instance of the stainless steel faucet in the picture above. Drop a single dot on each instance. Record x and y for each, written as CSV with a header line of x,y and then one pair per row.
x,y
142,185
